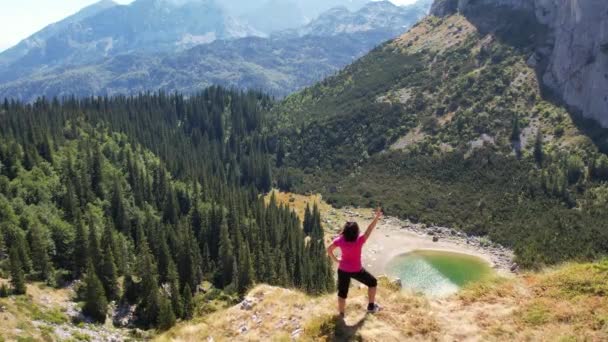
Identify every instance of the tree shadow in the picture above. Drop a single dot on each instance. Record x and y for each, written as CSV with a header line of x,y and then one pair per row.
x,y
346,332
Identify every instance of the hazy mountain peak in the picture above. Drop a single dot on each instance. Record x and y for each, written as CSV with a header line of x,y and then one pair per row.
x,y
372,16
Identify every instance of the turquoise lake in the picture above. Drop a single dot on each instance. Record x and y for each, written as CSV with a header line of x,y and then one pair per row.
x,y
437,273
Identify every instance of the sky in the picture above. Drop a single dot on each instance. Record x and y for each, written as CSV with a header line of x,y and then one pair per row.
x,y
21,18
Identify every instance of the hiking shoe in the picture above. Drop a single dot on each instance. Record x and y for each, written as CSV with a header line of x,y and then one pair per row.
x,y
373,308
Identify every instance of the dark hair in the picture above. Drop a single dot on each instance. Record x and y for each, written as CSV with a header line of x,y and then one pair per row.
x,y
350,231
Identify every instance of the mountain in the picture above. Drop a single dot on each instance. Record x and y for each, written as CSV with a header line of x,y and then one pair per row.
x,y
271,16
106,30
276,15
451,123
383,14
38,40
279,64
572,54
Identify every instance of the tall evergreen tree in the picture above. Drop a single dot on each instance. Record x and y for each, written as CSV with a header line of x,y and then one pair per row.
x,y
246,274
96,303
166,315
226,257
40,257
119,213
17,275
107,270
94,249
188,311
149,299
97,173
176,297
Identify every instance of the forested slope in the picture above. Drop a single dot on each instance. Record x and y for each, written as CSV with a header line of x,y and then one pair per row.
x,y
143,198
448,124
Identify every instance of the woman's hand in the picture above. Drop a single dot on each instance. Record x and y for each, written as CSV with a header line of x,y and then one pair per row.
x,y
330,252
378,214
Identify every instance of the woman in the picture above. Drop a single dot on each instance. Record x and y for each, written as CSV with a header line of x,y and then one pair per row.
x,y
351,244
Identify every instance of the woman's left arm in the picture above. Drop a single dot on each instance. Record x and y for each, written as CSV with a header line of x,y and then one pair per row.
x,y
330,251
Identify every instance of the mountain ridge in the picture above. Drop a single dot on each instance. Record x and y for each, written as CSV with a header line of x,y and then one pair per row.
x,y
449,124
279,64
144,26
570,57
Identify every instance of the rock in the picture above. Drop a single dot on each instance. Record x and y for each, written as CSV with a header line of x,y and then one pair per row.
x,y
248,303
514,268
2,308
435,238
572,60
243,329
124,316
397,282
296,333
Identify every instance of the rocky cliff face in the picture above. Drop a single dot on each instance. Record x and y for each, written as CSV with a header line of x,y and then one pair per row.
x,y
573,57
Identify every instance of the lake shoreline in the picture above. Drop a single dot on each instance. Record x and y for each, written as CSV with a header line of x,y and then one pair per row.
x,y
394,237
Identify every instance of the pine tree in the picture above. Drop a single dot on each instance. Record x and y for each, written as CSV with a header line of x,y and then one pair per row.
x,y
234,285
40,257
119,213
188,311
95,299
316,229
23,251
226,255
171,208
246,273
149,301
108,274
308,223
70,202
4,291
176,297
80,250
94,250
97,174
166,315
17,275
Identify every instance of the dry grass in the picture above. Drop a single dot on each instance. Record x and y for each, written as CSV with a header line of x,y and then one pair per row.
x,y
298,202
282,314
435,34
563,304
39,304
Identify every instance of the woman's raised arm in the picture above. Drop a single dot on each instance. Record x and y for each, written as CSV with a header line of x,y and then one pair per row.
x,y
370,229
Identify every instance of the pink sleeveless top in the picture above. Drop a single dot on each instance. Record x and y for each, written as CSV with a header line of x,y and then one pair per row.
x,y
351,253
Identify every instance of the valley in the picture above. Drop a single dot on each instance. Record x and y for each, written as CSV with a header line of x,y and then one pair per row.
x,y
175,170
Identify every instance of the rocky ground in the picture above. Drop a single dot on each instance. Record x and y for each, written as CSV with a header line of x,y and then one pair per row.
x,y
50,314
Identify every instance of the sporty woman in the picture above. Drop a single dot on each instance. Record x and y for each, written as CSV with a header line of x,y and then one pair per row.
x,y
351,244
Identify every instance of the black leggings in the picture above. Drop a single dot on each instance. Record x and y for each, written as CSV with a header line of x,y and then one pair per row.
x,y
362,276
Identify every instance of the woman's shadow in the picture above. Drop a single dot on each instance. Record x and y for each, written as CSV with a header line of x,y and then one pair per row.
x,y
345,331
